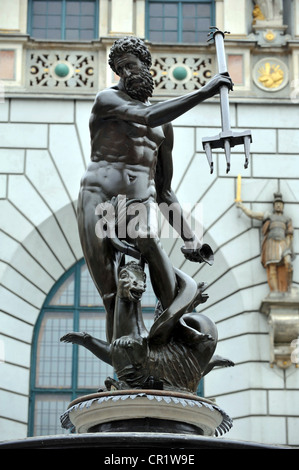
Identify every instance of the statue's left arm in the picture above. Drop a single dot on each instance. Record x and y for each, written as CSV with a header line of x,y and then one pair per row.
x,y
289,234
166,198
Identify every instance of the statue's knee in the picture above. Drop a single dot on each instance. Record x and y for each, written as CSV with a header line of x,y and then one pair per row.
x,y
272,269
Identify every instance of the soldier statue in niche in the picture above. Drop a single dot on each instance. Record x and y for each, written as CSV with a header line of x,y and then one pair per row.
x,y
277,252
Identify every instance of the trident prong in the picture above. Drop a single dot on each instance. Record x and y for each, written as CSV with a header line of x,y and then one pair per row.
x,y
226,139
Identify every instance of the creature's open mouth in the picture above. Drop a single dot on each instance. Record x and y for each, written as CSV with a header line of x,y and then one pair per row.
x,y
136,293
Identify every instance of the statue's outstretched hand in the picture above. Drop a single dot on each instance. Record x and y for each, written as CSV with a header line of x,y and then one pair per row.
x,y
201,254
213,86
239,205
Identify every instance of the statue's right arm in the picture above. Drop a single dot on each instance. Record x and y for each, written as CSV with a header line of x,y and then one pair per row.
x,y
250,213
116,104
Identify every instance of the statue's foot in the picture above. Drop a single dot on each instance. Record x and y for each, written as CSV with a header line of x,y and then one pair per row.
x,y
113,384
218,361
200,297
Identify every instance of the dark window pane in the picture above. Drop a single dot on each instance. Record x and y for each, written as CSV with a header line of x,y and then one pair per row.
x,y
71,34
195,20
86,34
39,7
156,36
53,34
189,36
86,22
156,9
189,9
92,372
203,10
54,362
171,24
72,21
48,408
65,295
38,33
189,24
39,21
170,37
171,9
47,19
55,8
88,292
73,8
203,24
88,8
202,36
54,22
149,297
156,24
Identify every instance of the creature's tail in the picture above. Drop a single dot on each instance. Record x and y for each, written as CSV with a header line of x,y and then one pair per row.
x,y
162,328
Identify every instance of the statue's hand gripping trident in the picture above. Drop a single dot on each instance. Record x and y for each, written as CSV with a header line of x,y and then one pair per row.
x,y
226,139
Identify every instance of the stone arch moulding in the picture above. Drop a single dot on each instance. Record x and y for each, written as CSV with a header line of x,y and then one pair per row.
x,y
34,263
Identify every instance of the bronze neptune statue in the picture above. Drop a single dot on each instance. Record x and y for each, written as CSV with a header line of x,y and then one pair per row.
x,y
131,169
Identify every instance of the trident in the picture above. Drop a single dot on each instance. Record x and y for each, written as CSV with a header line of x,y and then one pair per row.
x,y
226,139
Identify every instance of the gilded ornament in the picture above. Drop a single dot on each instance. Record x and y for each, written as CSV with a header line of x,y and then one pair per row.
x,y
270,36
257,14
271,75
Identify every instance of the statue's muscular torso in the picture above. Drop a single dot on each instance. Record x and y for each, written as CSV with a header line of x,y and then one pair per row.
x,y
123,158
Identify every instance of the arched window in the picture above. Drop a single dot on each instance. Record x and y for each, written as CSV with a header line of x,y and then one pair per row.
x,y
61,372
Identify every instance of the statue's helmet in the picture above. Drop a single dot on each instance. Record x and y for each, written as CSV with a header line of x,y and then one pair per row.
x,y
277,198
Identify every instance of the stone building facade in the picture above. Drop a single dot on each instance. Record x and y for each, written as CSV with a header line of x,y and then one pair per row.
x,y
47,90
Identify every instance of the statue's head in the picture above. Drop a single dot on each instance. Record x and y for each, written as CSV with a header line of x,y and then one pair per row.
x,y
137,79
278,203
131,282
130,45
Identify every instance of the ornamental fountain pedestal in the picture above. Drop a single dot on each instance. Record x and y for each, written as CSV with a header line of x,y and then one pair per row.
x,y
154,411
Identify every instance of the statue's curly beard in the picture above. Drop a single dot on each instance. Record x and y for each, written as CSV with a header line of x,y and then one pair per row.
x,y
140,87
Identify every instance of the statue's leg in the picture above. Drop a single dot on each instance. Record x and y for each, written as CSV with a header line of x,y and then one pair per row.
x,y
160,268
289,271
272,277
100,256
147,241
99,348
